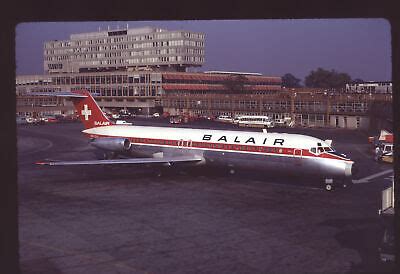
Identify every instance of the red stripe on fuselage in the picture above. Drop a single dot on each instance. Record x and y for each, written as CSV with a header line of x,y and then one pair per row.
x,y
222,146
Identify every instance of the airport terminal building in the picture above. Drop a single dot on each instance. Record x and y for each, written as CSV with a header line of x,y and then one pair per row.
x,y
370,87
146,70
127,49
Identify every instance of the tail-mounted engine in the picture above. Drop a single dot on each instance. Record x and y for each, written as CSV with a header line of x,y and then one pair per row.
x,y
112,144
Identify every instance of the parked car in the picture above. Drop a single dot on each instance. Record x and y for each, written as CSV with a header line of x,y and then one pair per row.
x,y
69,118
21,120
156,115
225,118
31,120
122,122
125,115
48,119
384,152
52,119
175,120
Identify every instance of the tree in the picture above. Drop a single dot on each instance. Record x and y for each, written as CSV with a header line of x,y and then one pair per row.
x,y
289,81
235,83
322,78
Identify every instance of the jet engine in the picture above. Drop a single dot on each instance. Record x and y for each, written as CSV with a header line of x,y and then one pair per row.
x,y
112,144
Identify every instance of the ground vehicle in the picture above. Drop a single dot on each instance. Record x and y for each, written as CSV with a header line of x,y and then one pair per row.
x,y
31,120
384,152
283,122
21,120
175,120
225,118
156,115
67,118
124,113
122,122
255,121
48,119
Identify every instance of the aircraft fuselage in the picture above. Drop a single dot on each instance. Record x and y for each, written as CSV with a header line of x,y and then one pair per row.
x,y
288,153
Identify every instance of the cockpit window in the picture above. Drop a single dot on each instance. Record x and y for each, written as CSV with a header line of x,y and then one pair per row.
x,y
321,149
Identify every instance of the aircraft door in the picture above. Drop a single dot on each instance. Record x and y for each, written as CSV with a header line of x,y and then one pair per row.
x,y
298,155
184,143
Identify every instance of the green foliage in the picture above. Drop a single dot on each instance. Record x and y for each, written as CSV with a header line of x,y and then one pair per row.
x,y
322,78
290,81
235,84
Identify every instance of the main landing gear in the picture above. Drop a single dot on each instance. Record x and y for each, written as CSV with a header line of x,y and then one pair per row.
x,y
105,155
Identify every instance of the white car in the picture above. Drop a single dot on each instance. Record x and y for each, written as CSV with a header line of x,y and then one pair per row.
x,y
156,115
31,120
175,120
122,122
224,118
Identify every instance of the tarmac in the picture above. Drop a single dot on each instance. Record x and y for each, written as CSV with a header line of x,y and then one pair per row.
x,y
127,219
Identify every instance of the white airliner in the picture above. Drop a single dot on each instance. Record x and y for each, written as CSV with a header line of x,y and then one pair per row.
x,y
130,144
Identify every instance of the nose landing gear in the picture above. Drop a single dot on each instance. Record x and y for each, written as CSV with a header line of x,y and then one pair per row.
x,y
329,187
330,183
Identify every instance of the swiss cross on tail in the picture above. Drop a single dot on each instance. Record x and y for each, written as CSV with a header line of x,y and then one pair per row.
x,y
88,110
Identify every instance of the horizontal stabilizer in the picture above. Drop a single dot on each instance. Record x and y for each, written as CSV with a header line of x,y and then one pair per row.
x,y
162,160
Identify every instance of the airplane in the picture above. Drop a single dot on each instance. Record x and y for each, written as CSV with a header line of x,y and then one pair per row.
x,y
131,144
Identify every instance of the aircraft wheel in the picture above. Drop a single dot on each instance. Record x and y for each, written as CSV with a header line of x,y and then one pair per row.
x,y
109,155
328,187
101,155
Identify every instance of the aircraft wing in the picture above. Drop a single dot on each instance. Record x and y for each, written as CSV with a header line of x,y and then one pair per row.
x,y
162,160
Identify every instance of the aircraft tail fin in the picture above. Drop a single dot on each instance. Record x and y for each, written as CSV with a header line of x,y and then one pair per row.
x,y
88,110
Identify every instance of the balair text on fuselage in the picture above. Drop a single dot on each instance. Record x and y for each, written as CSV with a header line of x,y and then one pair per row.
x,y
223,138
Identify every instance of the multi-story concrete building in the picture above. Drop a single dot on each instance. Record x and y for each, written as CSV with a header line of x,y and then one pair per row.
x,y
141,91
144,70
125,49
370,87
121,67
30,105
306,107
205,94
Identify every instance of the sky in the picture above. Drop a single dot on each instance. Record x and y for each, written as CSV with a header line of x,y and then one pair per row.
x,y
359,47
